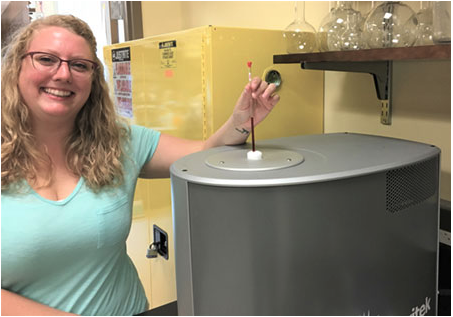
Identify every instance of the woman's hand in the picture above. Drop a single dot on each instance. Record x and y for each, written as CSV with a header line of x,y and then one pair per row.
x,y
257,95
256,100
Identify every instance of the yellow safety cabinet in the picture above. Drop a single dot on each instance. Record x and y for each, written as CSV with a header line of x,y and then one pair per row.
x,y
186,84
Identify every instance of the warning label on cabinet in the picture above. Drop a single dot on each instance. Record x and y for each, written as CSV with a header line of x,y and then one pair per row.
x,y
121,54
167,51
122,81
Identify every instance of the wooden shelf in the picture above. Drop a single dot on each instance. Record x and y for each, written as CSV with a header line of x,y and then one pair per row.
x,y
377,62
441,52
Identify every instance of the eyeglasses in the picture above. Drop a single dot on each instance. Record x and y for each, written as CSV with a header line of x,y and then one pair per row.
x,y
46,62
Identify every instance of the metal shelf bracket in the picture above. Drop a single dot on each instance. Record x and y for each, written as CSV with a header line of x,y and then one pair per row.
x,y
382,75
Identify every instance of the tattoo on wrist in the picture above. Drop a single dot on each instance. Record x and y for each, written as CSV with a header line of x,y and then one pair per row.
x,y
243,131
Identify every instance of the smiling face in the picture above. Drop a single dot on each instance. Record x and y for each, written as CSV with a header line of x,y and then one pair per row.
x,y
55,96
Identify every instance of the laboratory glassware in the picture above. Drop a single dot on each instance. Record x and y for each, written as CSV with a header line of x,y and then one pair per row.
x,y
300,36
391,24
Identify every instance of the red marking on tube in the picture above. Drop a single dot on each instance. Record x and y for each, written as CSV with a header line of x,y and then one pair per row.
x,y
249,64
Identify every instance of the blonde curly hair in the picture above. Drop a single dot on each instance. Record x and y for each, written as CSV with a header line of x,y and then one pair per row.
x,y
95,148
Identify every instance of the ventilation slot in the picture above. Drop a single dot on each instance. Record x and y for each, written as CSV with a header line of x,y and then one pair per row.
x,y
411,185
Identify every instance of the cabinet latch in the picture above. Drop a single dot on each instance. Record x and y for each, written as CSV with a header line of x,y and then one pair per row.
x,y
159,245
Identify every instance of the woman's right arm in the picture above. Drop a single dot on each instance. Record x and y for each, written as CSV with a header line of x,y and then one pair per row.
x,y
16,305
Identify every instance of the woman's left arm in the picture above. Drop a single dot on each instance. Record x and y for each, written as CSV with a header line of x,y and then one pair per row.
x,y
257,95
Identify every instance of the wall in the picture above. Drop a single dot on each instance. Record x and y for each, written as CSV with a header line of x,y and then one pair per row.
x,y
421,107
169,16
160,17
421,90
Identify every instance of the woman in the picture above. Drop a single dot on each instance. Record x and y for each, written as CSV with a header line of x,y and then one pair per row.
x,y
69,169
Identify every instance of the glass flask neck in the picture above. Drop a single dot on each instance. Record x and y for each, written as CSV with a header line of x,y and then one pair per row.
x,y
426,5
352,21
299,11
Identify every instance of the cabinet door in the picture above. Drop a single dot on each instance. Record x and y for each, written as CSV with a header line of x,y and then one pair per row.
x,y
166,82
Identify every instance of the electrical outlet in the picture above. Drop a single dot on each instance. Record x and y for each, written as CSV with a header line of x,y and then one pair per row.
x,y
161,241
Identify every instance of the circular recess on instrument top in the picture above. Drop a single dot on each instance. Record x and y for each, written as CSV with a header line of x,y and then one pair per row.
x,y
237,160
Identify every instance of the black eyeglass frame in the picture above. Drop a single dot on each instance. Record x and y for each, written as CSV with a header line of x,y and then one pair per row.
x,y
94,64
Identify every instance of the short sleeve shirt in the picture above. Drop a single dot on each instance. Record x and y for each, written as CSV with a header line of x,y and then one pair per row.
x,y
71,254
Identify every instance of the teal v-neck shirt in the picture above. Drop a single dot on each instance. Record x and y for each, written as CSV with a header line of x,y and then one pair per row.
x,y
71,254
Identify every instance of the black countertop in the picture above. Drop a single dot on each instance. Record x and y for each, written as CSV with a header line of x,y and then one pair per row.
x,y
170,309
